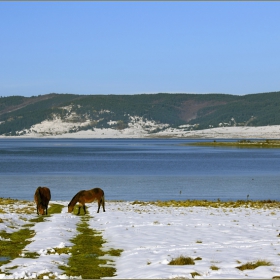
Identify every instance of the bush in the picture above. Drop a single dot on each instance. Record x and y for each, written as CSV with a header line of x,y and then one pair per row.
x,y
181,260
253,265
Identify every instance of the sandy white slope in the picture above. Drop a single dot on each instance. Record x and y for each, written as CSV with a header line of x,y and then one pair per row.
x,y
138,128
151,236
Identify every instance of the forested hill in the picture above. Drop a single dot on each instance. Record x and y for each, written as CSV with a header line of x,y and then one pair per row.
x,y
197,111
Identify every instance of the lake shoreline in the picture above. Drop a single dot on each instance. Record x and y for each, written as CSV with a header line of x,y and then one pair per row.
x,y
240,144
235,132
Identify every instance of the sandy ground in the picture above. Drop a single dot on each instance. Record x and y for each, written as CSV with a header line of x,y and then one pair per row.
x,y
59,129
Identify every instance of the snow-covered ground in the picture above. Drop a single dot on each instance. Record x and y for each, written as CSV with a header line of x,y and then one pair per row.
x,y
138,128
151,236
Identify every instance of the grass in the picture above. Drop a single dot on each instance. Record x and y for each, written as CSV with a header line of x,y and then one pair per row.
x,y
85,256
181,260
14,243
7,201
193,274
244,143
31,255
26,207
55,208
253,265
46,276
258,204
213,267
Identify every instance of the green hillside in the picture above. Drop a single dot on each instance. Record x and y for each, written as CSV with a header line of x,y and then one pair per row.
x,y
205,110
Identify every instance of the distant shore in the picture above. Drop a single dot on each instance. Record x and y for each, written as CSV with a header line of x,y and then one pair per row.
x,y
240,143
235,132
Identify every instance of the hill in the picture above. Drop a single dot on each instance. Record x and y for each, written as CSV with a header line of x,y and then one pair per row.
x,y
153,112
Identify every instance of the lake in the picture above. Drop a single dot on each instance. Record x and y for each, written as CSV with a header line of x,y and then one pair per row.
x,y
137,169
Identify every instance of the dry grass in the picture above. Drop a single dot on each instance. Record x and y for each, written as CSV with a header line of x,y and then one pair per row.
x,y
181,260
8,205
258,204
244,143
253,265
193,274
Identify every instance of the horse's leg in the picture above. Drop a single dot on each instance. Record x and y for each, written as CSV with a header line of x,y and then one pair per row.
x,y
37,210
47,208
101,201
79,210
103,204
84,209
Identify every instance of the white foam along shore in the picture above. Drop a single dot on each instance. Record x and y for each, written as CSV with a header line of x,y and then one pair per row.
x,y
57,128
218,239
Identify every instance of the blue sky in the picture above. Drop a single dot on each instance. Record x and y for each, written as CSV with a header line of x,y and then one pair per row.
x,y
139,47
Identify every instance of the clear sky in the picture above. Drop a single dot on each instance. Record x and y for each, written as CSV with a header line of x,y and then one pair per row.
x,y
139,47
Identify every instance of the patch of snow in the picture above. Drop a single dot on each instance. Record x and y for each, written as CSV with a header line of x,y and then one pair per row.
x,y
141,128
151,236
104,111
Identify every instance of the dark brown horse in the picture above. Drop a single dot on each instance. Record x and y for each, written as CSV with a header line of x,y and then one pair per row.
x,y
42,197
83,197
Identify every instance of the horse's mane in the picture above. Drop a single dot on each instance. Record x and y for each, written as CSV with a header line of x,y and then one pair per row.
x,y
75,198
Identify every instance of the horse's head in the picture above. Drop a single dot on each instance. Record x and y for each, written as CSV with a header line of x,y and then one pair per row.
x,y
41,209
70,208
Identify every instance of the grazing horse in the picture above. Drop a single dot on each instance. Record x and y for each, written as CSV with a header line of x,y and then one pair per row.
x,y
42,197
83,197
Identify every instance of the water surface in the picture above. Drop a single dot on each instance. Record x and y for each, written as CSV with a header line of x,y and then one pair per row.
x,y
137,169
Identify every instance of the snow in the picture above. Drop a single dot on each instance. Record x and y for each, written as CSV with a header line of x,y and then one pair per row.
x,y
150,236
140,128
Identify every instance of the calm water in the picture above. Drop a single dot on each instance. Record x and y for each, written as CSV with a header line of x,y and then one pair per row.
x,y
137,169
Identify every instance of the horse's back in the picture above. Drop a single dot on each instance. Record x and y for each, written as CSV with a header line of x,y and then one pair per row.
x,y
45,194
90,195
98,191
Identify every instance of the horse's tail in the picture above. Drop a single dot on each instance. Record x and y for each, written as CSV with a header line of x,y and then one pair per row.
x,y
37,196
45,195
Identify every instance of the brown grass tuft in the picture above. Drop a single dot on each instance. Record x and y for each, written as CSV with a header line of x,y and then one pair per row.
x,y
181,260
253,265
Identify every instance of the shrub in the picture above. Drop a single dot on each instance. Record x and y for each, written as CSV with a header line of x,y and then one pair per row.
x,y
193,274
181,260
253,265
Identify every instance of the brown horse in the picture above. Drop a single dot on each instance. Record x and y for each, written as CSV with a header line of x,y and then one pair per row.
x,y
42,197
83,197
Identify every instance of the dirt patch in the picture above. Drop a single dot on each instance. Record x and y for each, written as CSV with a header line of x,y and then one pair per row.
x,y
190,108
25,103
